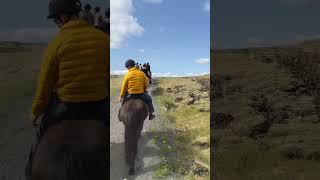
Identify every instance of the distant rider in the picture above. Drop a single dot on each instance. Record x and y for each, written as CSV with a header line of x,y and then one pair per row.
x,y
135,84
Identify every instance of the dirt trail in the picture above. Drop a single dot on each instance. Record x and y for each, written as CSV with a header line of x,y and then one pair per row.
x,y
148,152
18,72
16,136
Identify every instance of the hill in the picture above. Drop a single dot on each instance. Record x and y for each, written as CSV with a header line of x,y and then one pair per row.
x,y
264,111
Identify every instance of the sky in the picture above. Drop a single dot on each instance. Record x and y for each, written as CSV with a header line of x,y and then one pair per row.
x,y
253,23
175,33
172,35
26,21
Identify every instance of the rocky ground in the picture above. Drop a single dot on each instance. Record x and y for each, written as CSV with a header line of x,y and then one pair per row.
x,y
265,103
185,108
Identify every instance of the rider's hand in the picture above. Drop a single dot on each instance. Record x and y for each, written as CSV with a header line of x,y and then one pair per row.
x,y
120,99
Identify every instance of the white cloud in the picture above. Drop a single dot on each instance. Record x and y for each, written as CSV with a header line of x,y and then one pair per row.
x,y
28,34
124,24
141,50
153,1
169,74
118,72
197,74
203,61
206,6
205,73
162,74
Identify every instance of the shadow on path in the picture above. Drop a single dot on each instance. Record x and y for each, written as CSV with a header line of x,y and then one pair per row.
x,y
146,162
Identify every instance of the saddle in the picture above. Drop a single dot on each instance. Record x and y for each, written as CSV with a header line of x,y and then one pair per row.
x,y
132,96
57,111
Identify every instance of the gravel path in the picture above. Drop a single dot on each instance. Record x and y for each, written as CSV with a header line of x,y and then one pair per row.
x,y
148,152
16,136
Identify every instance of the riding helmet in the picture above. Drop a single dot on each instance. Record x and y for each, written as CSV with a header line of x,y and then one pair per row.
x,y
97,9
87,7
57,7
130,62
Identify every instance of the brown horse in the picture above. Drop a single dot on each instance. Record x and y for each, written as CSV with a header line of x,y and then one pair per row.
x,y
72,150
132,114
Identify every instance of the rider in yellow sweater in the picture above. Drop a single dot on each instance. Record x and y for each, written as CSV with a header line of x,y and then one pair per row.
x,y
135,83
72,82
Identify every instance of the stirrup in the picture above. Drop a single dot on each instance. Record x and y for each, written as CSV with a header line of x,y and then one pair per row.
x,y
151,116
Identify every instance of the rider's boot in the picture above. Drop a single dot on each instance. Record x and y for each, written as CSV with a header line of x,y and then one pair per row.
x,y
119,114
151,116
151,111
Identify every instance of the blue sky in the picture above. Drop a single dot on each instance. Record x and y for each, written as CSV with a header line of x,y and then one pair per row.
x,y
172,35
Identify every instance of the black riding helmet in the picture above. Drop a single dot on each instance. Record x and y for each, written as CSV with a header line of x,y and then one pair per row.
x,y
130,62
97,9
87,7
57,7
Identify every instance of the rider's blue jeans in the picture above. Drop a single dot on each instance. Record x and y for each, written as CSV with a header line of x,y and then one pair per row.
x,y
145,97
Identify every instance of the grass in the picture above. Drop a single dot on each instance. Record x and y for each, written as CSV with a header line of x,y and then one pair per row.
x,y
249,162
188,128
162,171
115,85
288,150
19,71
